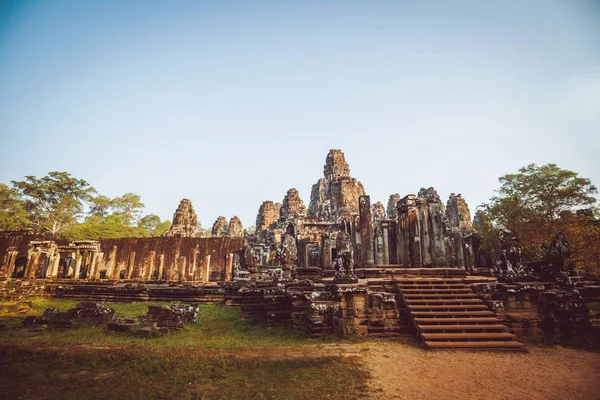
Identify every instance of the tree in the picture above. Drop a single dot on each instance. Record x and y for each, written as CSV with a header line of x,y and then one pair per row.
x,y
100,206
153,225
530,203
161,228
12,213
128,207
55,201
96,228
149,222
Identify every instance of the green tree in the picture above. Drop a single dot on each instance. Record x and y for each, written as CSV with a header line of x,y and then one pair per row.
x,y
149,222
100,206
161,228
55,201
530,203
12,213
111,227
128,207
153,225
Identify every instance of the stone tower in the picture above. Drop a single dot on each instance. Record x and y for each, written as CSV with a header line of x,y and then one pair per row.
x,y
185,221
336,194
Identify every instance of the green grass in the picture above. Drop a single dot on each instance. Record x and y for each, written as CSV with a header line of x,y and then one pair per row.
x,y
93,363
218,327
41,373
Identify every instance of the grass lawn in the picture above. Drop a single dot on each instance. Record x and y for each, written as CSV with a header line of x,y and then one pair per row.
x,y
220,357
218,327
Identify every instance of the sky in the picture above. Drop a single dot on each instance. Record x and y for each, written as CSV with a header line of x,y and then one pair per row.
x,y
231,103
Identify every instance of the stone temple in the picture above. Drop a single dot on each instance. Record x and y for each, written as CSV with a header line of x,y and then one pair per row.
x,y
344,265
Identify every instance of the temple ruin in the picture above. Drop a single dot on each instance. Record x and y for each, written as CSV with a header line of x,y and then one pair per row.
x,y
345,264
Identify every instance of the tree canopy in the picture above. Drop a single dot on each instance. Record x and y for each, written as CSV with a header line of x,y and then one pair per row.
x,y
56,204
536,202
54,201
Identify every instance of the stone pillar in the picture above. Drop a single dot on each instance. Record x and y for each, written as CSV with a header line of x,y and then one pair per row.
x,y
206,272
378,246
183,268
406,230
55,265
423,218
161,266
386,245
78,260
32,261
93,261
366,231
414,233
150,263
130,265
194,265
228,267
112,271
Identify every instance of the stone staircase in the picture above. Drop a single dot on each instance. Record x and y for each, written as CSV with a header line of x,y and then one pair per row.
x,y
447,314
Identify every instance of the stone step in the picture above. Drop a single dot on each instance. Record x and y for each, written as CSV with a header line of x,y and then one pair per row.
x,y
440,296
472,320
467,336
430,280
463,327
415,302
434,286
451,314
436,291
464,307
491,345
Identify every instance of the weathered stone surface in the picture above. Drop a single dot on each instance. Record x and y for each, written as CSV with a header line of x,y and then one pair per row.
x,y
292,205
458,214
421,225
220,227
367,256
268,214
185,221
336,165
344,262
392,206
287,253
378,211
236,229
336,195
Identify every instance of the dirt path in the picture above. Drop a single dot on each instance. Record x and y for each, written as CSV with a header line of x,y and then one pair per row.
x,y
405,372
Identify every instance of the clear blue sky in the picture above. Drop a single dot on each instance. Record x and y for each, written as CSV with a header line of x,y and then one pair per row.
x,y
230,103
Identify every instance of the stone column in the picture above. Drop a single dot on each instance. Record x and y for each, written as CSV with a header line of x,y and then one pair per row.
x,y
386,245
366,231
228,267
55,265
378,247
130,265
206,271
93,261
183,268
423,218
194,265
161,266
112,271
414,233
150,262
405,235
32,261
78,260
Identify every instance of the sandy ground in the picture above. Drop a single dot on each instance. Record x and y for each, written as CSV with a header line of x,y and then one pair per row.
x,y
405,372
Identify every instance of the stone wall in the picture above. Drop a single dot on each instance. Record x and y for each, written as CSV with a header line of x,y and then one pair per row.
x,y
158,258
